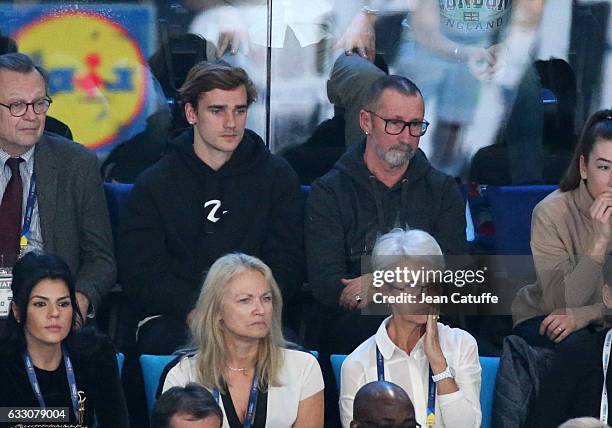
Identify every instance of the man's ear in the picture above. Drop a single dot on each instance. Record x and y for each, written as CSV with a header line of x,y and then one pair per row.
x,y
190,114
365,122
606,292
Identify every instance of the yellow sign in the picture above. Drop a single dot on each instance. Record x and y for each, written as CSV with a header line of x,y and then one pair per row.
x,y
96,75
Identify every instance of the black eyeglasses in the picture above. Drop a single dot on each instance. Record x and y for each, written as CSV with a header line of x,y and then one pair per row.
x,y
20,108
417,128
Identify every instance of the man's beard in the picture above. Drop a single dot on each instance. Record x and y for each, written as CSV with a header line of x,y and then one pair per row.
x,y
395,156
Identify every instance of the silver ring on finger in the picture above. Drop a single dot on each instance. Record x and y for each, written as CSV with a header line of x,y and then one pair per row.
x,y
358,298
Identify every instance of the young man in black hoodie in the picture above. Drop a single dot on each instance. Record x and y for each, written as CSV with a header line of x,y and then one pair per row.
x,y
379,184
220,191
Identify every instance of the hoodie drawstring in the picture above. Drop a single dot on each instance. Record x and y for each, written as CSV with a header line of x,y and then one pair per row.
x,y
380,214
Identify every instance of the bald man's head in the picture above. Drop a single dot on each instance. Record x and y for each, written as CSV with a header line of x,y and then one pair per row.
x,y
384,404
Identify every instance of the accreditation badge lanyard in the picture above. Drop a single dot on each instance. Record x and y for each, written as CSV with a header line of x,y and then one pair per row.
x,y
27,219
74,395
603,413
431,394
250,414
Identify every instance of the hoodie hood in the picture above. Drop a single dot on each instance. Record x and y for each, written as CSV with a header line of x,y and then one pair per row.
x,y
353,165
250,152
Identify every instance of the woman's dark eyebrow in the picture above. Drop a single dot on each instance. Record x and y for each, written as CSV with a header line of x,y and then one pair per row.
x,y
604,160
47,299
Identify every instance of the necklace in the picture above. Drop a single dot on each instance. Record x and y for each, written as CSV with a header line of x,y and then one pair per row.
x,y
240,369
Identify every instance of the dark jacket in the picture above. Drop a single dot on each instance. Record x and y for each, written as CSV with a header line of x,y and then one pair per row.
x,y
573,384
182,216
348,208
518,381
96,374
73,215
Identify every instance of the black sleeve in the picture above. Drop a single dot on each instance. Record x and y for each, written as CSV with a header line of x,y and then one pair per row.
x,y
283,247
151,276
450,225
325,244
105,392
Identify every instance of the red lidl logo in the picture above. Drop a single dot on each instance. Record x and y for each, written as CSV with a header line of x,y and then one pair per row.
x,y
96,75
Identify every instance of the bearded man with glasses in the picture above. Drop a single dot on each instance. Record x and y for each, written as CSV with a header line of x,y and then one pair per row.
x,y
52,199
381,183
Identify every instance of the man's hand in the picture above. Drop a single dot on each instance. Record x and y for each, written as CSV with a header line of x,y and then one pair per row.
x,y
355,294
233,33
482,62
563,322
360,36
83,303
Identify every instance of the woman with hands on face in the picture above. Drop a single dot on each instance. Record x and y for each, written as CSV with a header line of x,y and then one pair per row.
x,y
436,365
571,235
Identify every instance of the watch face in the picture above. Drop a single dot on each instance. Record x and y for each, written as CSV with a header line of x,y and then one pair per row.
x,y
452,371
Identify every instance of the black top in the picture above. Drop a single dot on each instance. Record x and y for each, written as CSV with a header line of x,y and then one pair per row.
x,y
348,208
181,216
261,411
96,375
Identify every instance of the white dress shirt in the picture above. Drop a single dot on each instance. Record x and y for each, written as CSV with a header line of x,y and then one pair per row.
x,y
459,409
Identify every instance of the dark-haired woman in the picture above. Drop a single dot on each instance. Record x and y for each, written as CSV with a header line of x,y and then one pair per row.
x,y
571,234
44,361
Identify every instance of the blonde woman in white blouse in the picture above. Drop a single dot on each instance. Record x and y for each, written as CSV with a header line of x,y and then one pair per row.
x,y
241,356
436,365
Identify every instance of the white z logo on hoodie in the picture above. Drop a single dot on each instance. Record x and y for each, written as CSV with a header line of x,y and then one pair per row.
x,y
216,203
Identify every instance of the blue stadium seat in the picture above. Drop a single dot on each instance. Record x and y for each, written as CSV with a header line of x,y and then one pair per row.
x,y
511,208
152,368
489,367
116,197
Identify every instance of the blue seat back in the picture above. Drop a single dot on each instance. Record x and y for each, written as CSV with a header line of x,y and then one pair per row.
x,y
511,209
489,367
152,368
116,198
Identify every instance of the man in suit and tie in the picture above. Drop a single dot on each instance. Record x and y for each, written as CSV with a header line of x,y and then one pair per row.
x,y
52,198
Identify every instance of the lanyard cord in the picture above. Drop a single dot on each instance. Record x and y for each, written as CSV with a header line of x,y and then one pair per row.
x,y
253,395
74,395
603,412
431,393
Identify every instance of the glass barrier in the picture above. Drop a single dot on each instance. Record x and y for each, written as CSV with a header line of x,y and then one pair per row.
x,y
507,85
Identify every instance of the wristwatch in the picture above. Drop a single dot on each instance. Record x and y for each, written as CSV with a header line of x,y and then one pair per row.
x,y
448,373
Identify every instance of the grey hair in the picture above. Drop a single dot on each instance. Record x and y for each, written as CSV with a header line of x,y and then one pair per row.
x,y
585,422
21,63
399,244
